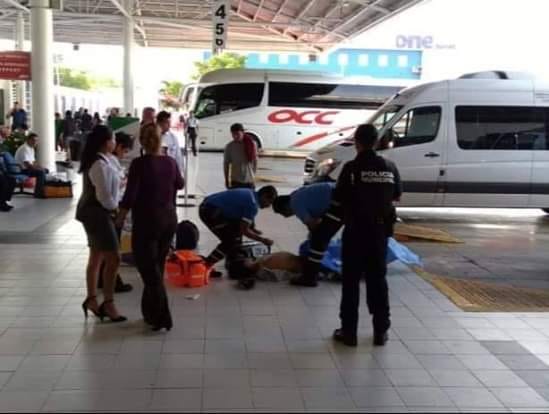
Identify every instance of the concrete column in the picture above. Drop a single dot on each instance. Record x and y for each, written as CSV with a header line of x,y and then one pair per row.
x,y
129,49
42,81
20,45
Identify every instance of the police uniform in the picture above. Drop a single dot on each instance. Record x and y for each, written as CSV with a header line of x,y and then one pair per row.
x,y
366,189
223,214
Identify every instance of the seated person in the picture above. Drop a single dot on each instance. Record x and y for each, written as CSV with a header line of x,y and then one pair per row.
x,y
7,186
314,206
25,156
230,214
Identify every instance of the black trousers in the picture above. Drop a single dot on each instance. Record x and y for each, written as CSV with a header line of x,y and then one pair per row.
x,y
7,187
364,254
191,133
40,176
152,235
227,231
237,184
320,238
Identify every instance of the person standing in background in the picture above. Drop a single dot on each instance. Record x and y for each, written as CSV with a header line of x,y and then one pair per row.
x,y
68,130
192,131
153,183
86,123
170,142
97,119
58,125
18,117
96,210
240,160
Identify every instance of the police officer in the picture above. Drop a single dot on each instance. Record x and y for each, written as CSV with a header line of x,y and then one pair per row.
x,y
230,214
314,207
366,188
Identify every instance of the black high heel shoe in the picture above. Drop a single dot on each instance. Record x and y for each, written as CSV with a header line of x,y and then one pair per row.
x,y
85,307
104,314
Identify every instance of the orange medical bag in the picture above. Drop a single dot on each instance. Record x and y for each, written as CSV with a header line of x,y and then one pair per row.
x,y
185,268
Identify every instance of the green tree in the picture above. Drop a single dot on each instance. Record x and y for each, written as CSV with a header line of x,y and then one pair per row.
x,y
74,79
170,92
78,79
223,61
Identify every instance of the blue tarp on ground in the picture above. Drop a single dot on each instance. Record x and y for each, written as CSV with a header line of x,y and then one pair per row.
x,y
332,258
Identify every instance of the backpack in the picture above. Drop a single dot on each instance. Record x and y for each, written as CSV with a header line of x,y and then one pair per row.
x,y
186,236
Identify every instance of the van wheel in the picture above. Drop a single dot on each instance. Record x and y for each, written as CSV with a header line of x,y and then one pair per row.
x,y
546,210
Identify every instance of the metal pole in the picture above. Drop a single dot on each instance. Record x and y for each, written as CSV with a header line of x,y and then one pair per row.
x,y
129,105
20,45
42,81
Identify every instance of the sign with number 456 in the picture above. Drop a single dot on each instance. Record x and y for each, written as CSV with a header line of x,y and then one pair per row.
x,y
220,18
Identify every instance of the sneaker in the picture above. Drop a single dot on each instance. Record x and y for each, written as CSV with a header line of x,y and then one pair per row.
x,y
216,274
5,207
380,338
303,281
340,337
123,288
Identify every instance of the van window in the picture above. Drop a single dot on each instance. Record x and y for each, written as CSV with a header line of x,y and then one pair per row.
x,y
417,126
218,99
316,95
501,128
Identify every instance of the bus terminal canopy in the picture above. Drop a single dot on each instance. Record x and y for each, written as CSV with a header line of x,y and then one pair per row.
x,y
284,25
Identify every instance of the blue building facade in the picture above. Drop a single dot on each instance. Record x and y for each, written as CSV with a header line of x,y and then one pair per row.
x,y
375,63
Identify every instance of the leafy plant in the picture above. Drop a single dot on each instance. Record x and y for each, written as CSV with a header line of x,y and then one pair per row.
x,y
222,61
13,141
170,92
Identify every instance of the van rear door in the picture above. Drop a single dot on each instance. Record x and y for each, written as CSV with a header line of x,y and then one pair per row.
x,y
417,141
490,155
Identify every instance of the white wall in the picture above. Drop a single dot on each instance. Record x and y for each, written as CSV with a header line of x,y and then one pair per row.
x,y
487,35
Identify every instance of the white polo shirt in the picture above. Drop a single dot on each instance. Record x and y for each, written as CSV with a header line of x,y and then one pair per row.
x,y
25,153
173,149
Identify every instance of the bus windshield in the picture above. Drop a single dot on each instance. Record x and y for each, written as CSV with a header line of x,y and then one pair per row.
x,y
384,115
219,99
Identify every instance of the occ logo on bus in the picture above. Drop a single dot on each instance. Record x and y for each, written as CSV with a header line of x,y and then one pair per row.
x,y
306,117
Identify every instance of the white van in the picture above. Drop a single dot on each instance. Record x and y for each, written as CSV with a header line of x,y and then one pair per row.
x,y
460,143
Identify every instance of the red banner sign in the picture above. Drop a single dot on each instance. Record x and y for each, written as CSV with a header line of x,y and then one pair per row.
x,y
15,65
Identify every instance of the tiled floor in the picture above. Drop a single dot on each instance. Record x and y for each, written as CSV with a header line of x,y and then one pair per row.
x,y
266,349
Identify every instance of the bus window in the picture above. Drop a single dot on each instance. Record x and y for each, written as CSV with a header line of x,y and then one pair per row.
x,y
219,99
313,95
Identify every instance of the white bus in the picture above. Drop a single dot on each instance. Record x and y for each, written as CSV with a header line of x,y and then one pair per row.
x,y
283,110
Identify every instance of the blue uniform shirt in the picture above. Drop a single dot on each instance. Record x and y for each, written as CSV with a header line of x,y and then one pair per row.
x,y
311,201
238,204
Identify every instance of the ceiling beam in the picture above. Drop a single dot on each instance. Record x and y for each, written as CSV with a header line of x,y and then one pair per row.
x,y
303,12
17,5
258,10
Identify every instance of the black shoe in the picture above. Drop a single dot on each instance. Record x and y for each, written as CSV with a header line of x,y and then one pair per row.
x,y
380,338
303,281
339,336
216,274
5,207
122,287
246,284
104,314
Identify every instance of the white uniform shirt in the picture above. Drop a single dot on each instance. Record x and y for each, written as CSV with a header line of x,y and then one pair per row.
x,y
25,153
192,122
173,149
115,162
105,177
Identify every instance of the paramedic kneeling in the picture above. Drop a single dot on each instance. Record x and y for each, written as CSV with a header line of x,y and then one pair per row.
x,y
230,214
314,207
366,189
